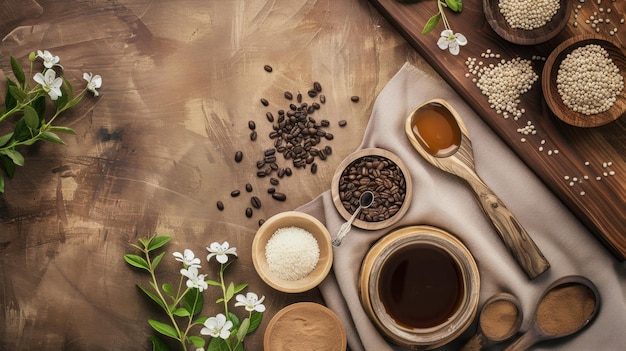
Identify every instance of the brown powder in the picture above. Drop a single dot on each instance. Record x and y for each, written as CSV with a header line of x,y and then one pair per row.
x,y
498,319
565,309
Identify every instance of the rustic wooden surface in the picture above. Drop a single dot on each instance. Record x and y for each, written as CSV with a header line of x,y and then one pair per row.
x,y
156,150
601,208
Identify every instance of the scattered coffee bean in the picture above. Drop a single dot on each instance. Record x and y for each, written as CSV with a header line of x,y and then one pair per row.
x,y
288,95
235,193
253,135
312,93
261,221
251,125
274,181
255,202
268,68
317,86
271,190
270,117
343,123
379,175
248,212
288,172
265,102
220,205
322,98
299,97
238,156
314,168
249,187
355,98
279,196
328,149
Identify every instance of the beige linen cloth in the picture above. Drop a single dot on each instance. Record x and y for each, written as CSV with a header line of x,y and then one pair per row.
x,y
446,202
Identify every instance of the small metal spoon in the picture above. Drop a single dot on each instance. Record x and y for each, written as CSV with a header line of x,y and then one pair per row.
x,y
365,200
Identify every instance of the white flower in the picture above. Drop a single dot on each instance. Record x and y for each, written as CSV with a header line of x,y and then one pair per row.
x,y
93,82
187,258
49,60
50,83
451,41
217,326
194,280
221,252
251,301
200,349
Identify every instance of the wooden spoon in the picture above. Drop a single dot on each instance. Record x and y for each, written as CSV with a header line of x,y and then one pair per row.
x,y
445,143
500,318
561,312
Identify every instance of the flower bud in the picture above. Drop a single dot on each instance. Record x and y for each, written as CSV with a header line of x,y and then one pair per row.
x,y
32,56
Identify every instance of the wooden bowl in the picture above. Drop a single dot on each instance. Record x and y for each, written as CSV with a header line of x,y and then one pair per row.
x,y
300,220
552,96
338,194
523,36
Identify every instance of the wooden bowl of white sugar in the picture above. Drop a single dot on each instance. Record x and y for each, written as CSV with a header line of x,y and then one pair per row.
x,y
583,81
524,23
292,252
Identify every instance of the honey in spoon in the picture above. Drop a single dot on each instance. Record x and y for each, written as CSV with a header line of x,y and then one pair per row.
x,y
436,130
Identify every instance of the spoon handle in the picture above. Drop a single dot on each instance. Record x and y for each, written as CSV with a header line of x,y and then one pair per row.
x,y
515,238
345,228
528,339
476,343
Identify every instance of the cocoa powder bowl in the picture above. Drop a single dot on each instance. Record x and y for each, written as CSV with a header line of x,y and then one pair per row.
x,y
420,287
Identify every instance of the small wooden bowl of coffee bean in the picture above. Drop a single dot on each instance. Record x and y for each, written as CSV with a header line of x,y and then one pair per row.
x,y
583,81
526,24
381,172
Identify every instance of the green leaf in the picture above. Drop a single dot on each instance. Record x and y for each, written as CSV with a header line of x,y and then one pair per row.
x,y
158,241
181,312
21,131
200,320
157,259
60,129
233,318
15,156
39,104
196,341
31,118
255,321
213,282
5,138
51,137
193,301
218,344
17,93
240,287
136,261
158,344
9,100
164,329
8,165
1,183
243,329
18,72
144,242
230,291
167,288
61,101
455,5
68,85
153,297
432,23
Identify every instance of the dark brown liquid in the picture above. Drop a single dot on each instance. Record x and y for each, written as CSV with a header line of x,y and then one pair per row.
x,y
420,286
436,130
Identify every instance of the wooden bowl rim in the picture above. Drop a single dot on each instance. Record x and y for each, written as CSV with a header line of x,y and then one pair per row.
x,y
548,82
285,219
374,151
522,36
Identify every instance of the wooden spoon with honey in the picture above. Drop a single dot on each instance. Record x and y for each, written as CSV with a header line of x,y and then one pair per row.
x,y
438,134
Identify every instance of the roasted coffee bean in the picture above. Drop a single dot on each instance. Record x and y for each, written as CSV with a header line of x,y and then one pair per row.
x,y
220,205
325,123
261,221
265,102
328,149
271,190
317,86
238,156
251,125
253,135
274,166
249,187
268,68
299,97
248,212
314,168
312,93
329,136
281,173
255,202
288,172
260,164
274,181
316,105
269,152
288,95
279,196
260,174
343,123
322,98
235,193
354,98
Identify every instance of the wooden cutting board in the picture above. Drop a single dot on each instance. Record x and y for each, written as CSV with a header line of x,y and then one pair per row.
x,y
584,167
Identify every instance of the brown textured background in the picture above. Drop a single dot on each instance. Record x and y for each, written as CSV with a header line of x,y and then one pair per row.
x,y
155,151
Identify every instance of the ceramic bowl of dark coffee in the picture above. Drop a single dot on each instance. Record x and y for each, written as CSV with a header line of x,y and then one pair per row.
x,y
420,287
381,172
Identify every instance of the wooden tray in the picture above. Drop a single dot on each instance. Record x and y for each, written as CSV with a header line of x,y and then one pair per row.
x,y
584,154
